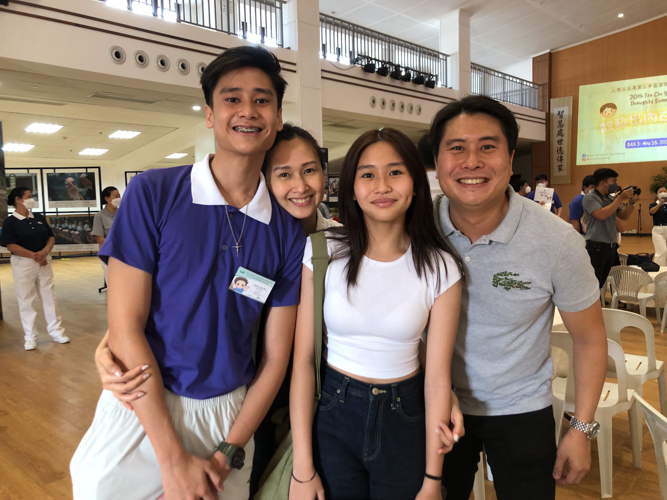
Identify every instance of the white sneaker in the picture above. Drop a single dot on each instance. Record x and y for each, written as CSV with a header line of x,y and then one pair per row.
x,y
61,339
30,345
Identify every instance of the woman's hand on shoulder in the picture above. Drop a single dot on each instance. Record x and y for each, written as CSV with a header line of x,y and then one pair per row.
x,y
123,385
310,490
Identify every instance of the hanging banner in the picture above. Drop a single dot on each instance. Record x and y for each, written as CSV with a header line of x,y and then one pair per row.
x,y
561,127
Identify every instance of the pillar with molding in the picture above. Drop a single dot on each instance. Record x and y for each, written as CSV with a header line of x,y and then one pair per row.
x,y
455,41
301,32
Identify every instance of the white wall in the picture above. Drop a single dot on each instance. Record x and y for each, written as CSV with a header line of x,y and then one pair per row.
x,y
523,69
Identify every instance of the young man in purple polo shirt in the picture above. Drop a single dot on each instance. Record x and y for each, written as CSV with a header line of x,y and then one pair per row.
x,y
180,239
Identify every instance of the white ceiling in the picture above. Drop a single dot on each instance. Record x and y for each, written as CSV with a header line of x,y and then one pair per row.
x,y
88,121
503,32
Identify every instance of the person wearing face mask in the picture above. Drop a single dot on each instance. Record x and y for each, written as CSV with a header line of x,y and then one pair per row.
x,y
658,210
541,181
29,238
600,213
522,187
104,218
576,207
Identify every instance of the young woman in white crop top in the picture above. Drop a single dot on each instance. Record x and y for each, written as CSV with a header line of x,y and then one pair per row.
x,y
381,421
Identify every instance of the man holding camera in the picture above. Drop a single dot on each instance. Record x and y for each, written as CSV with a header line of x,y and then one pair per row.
x,y
600,212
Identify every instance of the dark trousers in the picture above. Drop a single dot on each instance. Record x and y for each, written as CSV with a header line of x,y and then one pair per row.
x,y
603,256
370,440
521,450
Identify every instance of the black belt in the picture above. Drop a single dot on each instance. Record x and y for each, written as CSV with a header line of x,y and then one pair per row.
x,y
600,244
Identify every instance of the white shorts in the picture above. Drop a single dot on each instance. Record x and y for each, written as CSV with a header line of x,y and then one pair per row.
x,y
115,459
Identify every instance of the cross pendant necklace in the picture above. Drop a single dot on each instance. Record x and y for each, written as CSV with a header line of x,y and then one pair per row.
x,y
238,245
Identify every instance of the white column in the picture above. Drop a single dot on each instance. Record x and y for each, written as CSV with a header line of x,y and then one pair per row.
x,y
455,41
301,25
204,141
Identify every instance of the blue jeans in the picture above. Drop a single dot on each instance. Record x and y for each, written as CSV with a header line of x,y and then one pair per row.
x,y
370,440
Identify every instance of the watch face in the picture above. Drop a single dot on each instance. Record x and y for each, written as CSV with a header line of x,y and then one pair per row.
x,y
238,459
595,428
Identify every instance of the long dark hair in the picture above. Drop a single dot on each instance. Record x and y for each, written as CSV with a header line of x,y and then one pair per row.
x,y
427,243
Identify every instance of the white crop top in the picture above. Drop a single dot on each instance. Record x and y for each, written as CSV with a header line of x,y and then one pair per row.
x,y
375,331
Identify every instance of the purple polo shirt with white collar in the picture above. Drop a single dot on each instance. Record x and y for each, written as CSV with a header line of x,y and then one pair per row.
x,y
173,225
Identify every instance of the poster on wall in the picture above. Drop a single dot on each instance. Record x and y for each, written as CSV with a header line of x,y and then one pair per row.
x,y
561,127
71,190
24,179
130,174
623,122
73,233
334,183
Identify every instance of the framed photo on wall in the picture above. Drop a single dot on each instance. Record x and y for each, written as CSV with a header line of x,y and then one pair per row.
x,y
72,188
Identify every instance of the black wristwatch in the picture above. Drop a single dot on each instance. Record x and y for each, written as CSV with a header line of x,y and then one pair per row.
x,y
235,454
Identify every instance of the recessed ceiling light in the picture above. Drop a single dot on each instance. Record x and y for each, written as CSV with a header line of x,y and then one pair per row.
x,y
43,128
124,134
93,152
620,15
12,147
176,156
196,108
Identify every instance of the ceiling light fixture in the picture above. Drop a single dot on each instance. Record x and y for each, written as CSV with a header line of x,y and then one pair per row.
x,y
13,147
176,156
407,76
196,108
430,83
43,128
93,152
383,70
621,15
124,134
418,80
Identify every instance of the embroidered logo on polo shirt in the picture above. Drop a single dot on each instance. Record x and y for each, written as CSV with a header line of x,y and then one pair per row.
x,y
505,280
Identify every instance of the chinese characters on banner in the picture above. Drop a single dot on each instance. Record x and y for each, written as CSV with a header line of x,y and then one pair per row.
x,y
561,126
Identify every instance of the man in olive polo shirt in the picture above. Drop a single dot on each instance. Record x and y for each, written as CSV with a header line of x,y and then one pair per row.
x,y
520,263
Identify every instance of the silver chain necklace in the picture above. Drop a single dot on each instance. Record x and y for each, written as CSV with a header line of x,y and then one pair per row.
x,y
237,241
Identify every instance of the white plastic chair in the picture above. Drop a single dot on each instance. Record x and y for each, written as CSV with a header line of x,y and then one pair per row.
x,y
478,492
639,369
623,258
627,284
615,398
657,426
661,296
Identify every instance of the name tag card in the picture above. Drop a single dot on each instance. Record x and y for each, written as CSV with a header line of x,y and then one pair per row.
x,y
252,285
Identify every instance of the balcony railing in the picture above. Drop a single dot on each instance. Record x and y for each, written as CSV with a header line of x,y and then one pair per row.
x,y
260,21
503,87
347,42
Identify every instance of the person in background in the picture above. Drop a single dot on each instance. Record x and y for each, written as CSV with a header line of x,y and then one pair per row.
x,y
104,218
542,181
576,207
600,212
426,153
658,210
522,187
29,238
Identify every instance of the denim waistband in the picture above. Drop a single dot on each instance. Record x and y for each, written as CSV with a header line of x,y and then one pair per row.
x,y
348,386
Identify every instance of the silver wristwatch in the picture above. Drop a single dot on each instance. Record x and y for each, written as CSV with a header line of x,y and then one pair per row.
x,y
590,430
